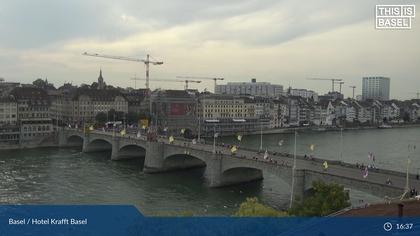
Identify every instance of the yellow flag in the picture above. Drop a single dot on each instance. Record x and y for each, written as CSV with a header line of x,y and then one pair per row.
x,y
239,137
312,147
325,165
91,128
234,149
123,132
171,139
182,131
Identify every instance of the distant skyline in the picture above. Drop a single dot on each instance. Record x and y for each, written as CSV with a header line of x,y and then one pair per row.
x,y
277,41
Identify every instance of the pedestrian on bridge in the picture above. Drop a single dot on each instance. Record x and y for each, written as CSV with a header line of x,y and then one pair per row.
x,y
325,165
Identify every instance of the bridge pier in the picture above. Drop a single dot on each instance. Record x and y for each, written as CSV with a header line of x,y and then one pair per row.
x,y
115,149
213,173
62,139
299,186
153,162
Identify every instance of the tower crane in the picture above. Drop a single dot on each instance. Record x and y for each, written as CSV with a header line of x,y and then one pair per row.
x,y
418,94
187,81
146,62
203,78
333,81
341,84
353,87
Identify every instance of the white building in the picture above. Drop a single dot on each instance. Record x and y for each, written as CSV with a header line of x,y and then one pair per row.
x,y
8,111
376,88
309,94
252,88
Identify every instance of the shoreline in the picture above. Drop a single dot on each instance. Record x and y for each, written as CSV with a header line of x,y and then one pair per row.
x,y
320,129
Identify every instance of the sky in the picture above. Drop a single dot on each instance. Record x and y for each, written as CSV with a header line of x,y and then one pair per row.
x,y
278,41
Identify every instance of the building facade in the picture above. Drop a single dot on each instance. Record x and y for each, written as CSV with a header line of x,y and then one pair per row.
x,y
376,88
250,88
304,93
174,110
9,128
33,114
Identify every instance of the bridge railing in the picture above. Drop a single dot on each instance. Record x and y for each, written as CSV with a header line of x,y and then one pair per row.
x,y
282,154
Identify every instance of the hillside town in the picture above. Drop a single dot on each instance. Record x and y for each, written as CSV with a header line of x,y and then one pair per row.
x,y
31,113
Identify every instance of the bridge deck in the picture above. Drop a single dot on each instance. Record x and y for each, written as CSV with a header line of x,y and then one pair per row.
x,y
345,170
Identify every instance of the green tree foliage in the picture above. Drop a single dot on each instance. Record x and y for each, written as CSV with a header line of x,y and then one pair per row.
x,y
253,208
94,85
327,199
101,118
117,115
133,117
43,84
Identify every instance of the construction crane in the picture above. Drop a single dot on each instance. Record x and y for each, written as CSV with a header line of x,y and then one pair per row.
x,y
146,62
205,78
341,84
187,81
333,81
353,87
418,95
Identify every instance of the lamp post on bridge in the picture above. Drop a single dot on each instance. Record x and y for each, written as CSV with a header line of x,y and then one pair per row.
x,y
261,135
293,171
214,139
341,144
407,180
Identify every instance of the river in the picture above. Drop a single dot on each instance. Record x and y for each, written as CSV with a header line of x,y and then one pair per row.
x,y
67,176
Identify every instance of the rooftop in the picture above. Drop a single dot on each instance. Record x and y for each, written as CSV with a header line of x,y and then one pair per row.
x,y
410,208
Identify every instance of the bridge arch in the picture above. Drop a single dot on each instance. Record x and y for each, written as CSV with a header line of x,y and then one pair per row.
x,y
98,145
75,140
256,168
244,174
178,161
130,151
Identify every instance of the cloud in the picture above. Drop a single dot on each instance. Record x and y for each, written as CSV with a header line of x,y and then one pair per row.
x,y
29,24
277,41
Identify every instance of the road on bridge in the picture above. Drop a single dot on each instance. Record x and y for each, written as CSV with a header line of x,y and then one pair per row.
x,y
341,169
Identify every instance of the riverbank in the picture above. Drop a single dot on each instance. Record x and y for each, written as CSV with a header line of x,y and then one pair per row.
x,y
322,129
51,141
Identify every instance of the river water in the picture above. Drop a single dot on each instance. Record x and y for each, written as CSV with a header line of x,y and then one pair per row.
x,y
67,176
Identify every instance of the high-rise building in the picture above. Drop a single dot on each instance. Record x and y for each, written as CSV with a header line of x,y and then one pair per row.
x,y
376,88
252,88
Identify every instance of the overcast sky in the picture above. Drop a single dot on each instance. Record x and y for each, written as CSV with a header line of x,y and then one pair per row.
x,y
278,41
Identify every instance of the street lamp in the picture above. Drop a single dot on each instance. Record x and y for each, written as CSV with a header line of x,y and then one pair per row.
x,y
214,139
293,171
341,144
407,182
261,136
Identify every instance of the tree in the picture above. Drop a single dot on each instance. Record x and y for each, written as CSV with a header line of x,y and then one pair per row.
x,y
115,115
94,85
251,208
101,117
327,199
43,84
133,117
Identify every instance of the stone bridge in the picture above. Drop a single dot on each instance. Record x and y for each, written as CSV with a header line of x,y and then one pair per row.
x,y
222,169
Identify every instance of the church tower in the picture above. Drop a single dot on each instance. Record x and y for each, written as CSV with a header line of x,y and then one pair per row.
x,y
101,83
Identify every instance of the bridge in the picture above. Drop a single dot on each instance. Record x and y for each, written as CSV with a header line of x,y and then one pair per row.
x,y
222,168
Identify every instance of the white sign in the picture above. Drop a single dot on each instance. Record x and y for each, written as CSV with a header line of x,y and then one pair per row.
x,y
394,16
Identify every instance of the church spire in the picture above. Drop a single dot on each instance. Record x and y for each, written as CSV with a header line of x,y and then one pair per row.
x,y
101,83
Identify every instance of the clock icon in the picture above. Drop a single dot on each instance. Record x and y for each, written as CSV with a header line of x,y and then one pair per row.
x,y
387,226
